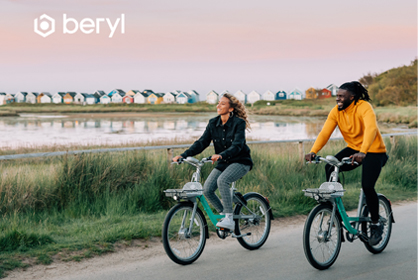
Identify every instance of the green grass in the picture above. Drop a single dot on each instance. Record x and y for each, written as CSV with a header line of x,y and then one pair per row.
x,y
76,207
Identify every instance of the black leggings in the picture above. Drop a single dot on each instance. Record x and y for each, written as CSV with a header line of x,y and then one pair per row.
x,y
372,165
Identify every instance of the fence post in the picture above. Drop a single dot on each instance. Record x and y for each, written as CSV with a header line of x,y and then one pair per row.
x,y
169,156
302,152
392,140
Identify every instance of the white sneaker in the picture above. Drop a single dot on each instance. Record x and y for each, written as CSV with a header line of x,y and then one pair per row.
x,y
226,223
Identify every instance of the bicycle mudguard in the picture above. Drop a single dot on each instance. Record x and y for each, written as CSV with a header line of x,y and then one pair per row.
x,y
390,205
268,203
203,216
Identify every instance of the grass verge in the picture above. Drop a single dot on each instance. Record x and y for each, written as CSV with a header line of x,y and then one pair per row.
x,y
71,208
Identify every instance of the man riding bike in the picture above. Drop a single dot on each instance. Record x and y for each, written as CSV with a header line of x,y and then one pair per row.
x,y
357,122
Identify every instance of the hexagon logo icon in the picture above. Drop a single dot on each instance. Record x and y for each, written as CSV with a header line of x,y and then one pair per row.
x,y
45,26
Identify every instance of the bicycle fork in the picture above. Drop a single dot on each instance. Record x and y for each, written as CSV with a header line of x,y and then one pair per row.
x,y
184,231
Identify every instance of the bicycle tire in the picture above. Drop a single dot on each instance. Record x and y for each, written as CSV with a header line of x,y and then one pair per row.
x,y
258,228
385,211
180,248
320,252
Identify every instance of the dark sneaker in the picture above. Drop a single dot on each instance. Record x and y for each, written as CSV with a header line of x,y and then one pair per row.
x,y
375,234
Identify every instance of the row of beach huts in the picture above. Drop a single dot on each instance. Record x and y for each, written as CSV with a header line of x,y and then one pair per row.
x,y
150,97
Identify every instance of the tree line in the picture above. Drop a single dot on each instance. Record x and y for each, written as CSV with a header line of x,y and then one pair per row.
x,y
397,86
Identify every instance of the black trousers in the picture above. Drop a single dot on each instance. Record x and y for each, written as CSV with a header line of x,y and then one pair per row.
x,y
372,165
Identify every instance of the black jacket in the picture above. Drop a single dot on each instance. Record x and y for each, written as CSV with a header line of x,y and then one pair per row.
x,y
228,140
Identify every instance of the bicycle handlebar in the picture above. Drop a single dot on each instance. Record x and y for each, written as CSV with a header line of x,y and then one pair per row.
x,y
333,161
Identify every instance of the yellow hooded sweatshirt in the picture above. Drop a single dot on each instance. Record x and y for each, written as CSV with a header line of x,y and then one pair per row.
x,y
358,126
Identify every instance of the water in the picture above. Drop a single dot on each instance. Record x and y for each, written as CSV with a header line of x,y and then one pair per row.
x,y
30,130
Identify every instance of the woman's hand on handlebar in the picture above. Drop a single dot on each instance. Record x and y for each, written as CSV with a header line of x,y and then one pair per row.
x,y
309,157
215,158
176,158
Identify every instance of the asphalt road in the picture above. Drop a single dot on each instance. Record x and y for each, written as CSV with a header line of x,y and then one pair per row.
x,y
282,257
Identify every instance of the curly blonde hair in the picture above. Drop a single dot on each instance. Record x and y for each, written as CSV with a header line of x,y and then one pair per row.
x,y
239,109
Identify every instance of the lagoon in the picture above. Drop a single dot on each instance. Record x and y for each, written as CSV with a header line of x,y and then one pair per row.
x,y
33,130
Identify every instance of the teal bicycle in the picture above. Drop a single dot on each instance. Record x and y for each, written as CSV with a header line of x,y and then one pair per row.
x,y
185,228
323,232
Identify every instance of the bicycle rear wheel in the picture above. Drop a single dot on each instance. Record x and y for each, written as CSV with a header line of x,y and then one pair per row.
x,y
259,227
181,247
320,250
386,218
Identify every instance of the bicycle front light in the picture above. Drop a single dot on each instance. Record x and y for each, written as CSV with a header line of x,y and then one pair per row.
x,y
175,197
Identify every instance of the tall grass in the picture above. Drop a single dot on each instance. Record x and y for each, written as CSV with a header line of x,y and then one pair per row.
x,y
87,202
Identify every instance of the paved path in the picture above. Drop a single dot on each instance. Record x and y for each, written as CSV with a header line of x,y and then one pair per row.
x,y
282,257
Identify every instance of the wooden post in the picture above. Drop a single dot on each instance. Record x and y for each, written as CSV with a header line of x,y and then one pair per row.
x,y
392,140
302,152
169,156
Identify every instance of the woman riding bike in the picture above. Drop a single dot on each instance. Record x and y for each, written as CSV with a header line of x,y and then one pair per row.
x,y
227,131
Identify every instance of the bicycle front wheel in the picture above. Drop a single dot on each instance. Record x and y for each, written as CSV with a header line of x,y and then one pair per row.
x,y
322,249
255,221
184,247
386,218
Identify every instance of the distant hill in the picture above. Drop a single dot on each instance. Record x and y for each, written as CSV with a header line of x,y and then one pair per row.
x,y
397,86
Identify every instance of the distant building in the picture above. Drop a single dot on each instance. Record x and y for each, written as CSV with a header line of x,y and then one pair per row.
x,y
212,97
281,95
241,96
141,98
333,88
20,97
295,94
194,96
182,98
324,93
253,97
311,93
31,97
268,95
44,97
169,97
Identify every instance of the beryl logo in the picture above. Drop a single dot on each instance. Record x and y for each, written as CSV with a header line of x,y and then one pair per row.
x,y
86,25
45,26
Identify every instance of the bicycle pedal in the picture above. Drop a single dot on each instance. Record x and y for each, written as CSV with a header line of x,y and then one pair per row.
x,y
239,236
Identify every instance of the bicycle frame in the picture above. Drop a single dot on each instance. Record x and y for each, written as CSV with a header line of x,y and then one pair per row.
x,y
213,217
338,204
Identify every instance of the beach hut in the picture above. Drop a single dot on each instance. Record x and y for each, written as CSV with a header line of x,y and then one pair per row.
x,y
69,97
20,97
253,97
280,95
128,99
182,98
268,95
132,92
58,97
140,98
97,94
194,96
324,93
104,99
9,98
311,93
90,99
333,88
80,98
212,97
2,98
241,96
44,97
31,97
119,91
117,96
295,94
169,97
155,98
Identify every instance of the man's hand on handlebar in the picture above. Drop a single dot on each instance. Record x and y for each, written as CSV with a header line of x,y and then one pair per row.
x,y
357,157
309,157
176,158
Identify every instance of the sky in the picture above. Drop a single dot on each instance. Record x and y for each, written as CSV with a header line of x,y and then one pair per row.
x,y
203,45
